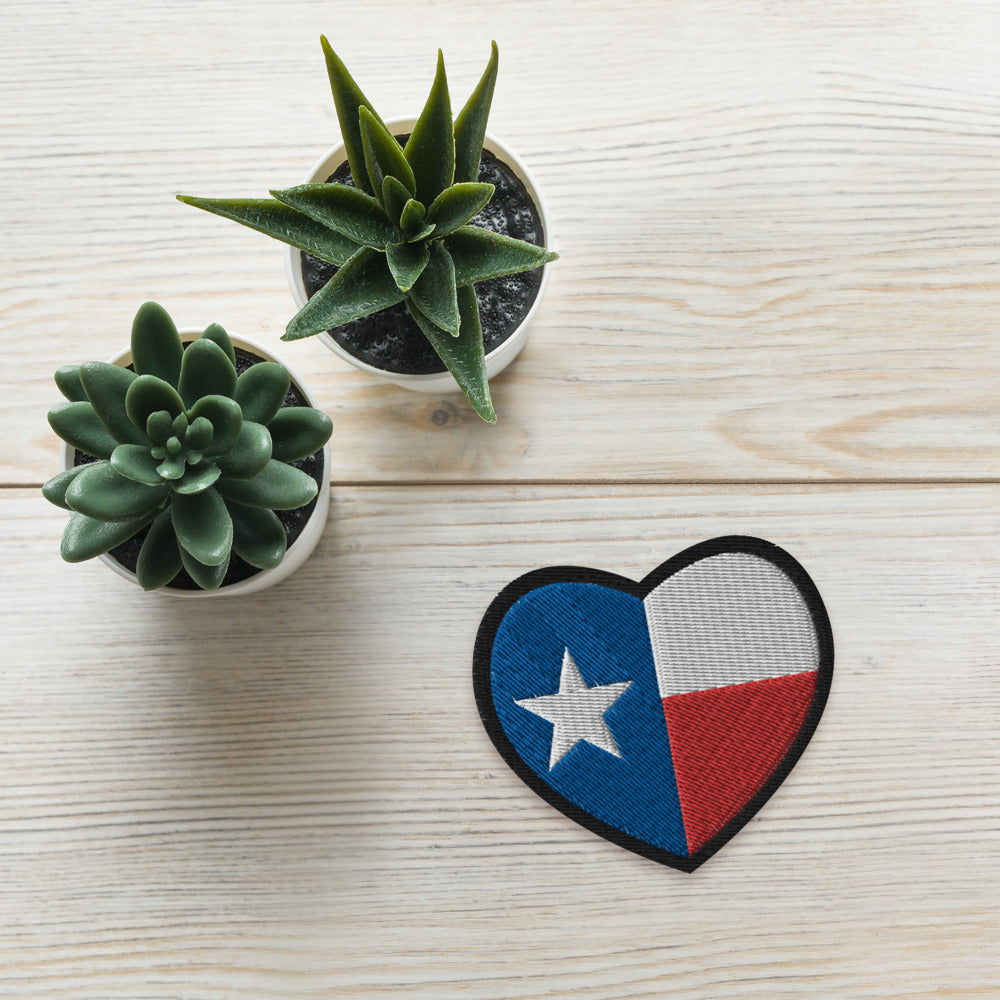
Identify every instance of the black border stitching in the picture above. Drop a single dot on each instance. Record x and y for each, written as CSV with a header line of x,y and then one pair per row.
x,y
502,603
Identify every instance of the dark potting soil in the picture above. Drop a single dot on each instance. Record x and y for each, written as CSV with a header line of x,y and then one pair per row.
x,y
389,339
294,521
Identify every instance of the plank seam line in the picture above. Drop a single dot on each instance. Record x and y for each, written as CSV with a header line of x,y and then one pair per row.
x,y
618,482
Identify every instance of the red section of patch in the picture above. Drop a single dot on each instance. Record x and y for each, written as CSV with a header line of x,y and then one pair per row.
x,y
727,741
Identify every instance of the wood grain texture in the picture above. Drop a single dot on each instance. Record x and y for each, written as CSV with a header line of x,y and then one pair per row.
x,y
780,223
291,796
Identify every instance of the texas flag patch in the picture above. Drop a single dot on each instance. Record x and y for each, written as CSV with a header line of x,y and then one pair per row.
x,y
661,714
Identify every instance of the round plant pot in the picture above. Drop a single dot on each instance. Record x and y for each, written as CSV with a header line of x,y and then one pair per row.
x,y
299,550
436,382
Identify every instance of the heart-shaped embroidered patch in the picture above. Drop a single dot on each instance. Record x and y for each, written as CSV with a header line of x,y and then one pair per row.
x,y
661,714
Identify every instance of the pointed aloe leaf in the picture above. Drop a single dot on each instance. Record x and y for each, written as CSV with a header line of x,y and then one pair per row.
x,y
203,525
218,335
361,287
79,426
249,453
258,535
383,154
226,418
272,218
411,219
480,254
299,431
68,382
159,557
207,577
261,390
134,462
463,355
197,478
147,395
86,537
394,198
156,346
205,371
102,492
278,487
351,212
106,386
55,489
430,149
434,292
470,125
406,261
348,100
456,205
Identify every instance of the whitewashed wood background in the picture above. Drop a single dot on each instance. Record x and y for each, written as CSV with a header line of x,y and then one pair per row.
x,y
776,313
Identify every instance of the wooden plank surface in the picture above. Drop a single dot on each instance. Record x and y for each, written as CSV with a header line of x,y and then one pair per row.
x,y
291,795
780,223
780,229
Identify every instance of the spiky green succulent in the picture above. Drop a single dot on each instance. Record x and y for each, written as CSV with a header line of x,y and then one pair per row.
x,y
186,447
401,233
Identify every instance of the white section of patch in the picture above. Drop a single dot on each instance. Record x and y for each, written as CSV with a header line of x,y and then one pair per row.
x,y
728,619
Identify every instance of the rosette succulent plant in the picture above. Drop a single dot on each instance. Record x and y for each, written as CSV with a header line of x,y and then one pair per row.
x,y
401,232
185,447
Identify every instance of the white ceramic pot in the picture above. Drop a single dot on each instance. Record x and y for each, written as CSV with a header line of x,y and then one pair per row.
x,y
438,382
298,552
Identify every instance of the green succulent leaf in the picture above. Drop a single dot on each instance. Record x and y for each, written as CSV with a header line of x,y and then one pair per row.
x,y
134,462
86,537
101,491
218,335
55,489
199,434
261,390
278,487
480,254
406,261
455,206
249,453
411,219
361,287
79,426
203,525
434,292
207,577
159,557
68,382
356,215
394,198
273,218
463,355
430,149
348,100
149,395
258,536
156,346
106,387
160,426
299,431
226,418
470,125
383,154
205,371
196,478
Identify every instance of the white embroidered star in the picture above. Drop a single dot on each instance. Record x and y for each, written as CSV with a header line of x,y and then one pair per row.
x,y
576,712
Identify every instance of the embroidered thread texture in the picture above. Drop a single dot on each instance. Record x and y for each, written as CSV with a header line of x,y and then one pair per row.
x,y
660,714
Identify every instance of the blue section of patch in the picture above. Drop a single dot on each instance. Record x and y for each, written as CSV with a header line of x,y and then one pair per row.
x,y
605,631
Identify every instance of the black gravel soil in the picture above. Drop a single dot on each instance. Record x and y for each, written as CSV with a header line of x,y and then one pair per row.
x,y
390,340
127,554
